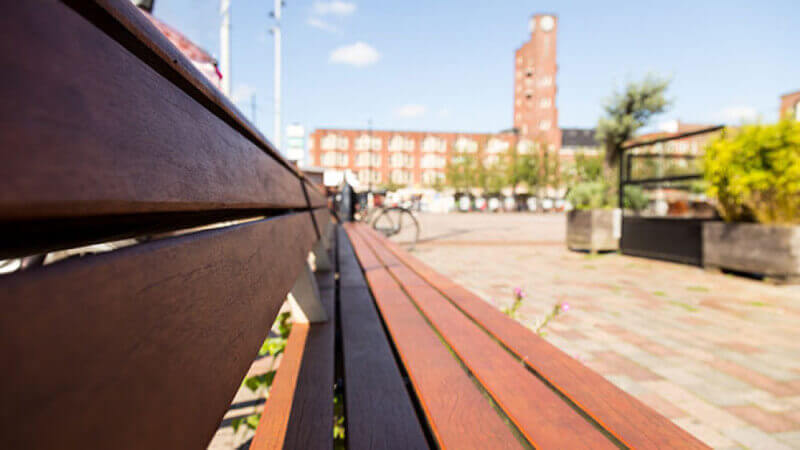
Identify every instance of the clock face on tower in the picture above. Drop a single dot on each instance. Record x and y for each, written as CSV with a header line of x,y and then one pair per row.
x,y
546,23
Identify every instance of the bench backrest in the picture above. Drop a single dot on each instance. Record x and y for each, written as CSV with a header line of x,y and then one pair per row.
x,y
111,133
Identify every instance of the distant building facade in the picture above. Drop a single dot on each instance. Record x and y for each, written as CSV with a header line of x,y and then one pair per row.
x,y
535,68
790,105
420,158
417,158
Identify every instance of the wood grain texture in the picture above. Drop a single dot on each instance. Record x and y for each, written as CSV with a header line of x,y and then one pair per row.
x,y
96,131
311,421
316,198
629,420
142,347
132,20
539,413
271,431
380,414
459,416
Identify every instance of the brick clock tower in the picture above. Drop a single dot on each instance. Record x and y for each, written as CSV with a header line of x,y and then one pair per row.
x,y
535,112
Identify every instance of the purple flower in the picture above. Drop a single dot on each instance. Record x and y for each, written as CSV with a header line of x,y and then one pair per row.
x,y
564,307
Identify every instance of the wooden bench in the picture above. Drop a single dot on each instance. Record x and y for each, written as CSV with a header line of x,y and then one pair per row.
x,y
425,363
109,134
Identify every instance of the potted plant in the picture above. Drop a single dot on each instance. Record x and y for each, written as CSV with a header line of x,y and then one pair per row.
x,y
754,176
594,224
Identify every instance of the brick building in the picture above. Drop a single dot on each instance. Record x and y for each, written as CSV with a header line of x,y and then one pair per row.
x,y
535,68
790,105
419,158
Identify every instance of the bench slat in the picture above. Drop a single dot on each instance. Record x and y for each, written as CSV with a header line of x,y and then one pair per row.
x,y
155,337
299,410
380,414
130,18
622,415
97,131
541,415
311,421
459,415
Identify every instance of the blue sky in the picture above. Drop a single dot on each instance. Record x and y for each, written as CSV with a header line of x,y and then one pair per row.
x,y
448,65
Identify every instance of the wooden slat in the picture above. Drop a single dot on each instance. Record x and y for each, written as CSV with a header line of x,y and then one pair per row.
x,y
311,421
132,20
540,414
316,198
629,420
299,410
142,347
380,414
96,131
271,430
459,415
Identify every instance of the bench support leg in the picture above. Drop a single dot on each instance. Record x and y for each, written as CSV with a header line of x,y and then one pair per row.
x,y
304,299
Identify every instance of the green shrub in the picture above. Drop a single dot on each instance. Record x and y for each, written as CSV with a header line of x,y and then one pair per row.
x,y
635,198
754,173
590,195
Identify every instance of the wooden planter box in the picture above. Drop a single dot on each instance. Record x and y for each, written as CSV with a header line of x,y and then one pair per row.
x,y
771,251
594,230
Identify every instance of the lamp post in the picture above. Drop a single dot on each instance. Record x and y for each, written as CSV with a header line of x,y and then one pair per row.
x,y
276,32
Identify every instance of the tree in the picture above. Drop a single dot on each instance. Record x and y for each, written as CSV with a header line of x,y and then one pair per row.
x,y
628,111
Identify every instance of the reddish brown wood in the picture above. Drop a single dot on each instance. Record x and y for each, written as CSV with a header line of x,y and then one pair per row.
x,y
366,257
142,347
622,415
380,414
458,414
271,430
96,131
540,414
129,18
316,197
311,420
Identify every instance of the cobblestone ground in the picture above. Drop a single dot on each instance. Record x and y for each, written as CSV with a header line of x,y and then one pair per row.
x,y
717,354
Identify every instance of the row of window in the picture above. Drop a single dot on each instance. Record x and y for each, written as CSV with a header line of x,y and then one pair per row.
x,y
430,144
544,102
543,125
337,159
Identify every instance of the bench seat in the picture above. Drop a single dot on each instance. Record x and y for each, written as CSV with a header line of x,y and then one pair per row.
x,y
424,363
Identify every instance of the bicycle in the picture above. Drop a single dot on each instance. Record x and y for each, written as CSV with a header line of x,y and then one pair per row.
x,y
393,222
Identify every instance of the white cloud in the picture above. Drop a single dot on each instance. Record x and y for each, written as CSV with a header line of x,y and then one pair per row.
x,y
321,24
737,114
359,54
334,8
242,93
411,110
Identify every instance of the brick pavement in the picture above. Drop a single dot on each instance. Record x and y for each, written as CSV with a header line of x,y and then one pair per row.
x,y
717,354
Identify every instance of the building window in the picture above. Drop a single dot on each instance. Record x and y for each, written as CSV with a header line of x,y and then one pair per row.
x,y
544,125
362,143
434,144
525,147
396,144
342,143
466,145
328,142
497,146
544,103
377,143
329,159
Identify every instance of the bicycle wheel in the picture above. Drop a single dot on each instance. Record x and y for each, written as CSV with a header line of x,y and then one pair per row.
x,y
399,224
